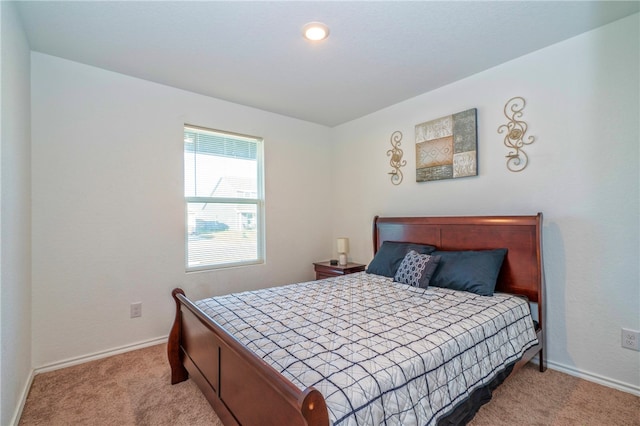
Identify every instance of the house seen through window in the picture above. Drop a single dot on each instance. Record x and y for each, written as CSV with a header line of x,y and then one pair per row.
x,y
224,199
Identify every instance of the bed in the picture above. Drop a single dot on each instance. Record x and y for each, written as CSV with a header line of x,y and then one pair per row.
x,y
235,369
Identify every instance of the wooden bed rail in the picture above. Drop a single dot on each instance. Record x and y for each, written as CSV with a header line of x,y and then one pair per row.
x,y
241,387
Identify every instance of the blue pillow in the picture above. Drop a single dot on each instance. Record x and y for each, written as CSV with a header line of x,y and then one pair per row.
x,y
416,269
473,271
390,254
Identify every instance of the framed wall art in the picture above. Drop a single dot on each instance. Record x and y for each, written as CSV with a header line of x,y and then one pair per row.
x,y
447,148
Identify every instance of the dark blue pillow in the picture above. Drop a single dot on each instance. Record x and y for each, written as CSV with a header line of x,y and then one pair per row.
x,y
390,254
473,271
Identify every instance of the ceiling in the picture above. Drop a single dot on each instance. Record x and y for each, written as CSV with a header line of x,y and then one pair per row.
x,y
252,53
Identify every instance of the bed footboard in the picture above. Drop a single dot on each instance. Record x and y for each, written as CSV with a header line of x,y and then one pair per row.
x,y
239,385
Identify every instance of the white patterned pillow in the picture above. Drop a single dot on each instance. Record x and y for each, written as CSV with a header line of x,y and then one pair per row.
x,y
416,269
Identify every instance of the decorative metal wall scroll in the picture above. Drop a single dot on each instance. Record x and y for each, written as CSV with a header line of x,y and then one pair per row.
x,y
446,148
515,129
396,158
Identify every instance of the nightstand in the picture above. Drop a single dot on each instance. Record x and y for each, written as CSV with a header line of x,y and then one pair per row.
x,y
326,270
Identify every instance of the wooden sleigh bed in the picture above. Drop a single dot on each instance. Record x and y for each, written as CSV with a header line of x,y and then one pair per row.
x,y
243,389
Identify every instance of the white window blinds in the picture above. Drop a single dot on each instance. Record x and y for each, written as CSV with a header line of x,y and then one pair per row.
x,y
224,199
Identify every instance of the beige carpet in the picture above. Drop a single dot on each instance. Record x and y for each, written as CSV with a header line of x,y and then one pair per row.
x,y
133,389
128,389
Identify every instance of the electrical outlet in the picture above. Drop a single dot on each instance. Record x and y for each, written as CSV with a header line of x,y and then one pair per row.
x,y
136,310
631,339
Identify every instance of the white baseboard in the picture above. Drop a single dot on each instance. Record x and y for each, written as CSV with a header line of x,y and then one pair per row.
x,y
22,400
605,381
99,355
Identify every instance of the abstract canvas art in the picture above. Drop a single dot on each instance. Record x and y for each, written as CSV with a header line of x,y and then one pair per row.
x,y
446,148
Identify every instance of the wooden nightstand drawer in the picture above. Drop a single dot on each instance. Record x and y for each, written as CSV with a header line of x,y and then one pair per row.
x,y
326,270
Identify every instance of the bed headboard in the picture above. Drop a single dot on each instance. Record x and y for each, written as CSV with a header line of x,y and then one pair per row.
x,y
521,271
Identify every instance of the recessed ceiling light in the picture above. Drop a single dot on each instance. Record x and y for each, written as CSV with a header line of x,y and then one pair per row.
x,y
315,31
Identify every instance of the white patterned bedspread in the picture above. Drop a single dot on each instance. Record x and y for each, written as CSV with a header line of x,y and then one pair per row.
x,y
380,352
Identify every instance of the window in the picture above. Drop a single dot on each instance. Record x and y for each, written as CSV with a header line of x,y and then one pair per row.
x,y
224,198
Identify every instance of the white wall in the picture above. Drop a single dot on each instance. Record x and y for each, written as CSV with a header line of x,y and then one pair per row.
x,y
15,217
108,214
583,107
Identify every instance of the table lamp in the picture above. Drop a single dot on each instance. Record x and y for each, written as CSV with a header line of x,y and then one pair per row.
x,y
343,249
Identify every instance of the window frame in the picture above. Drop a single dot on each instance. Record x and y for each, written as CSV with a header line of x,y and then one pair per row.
x,y
258,201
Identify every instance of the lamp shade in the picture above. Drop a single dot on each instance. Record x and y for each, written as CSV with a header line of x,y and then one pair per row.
x,y
343,245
